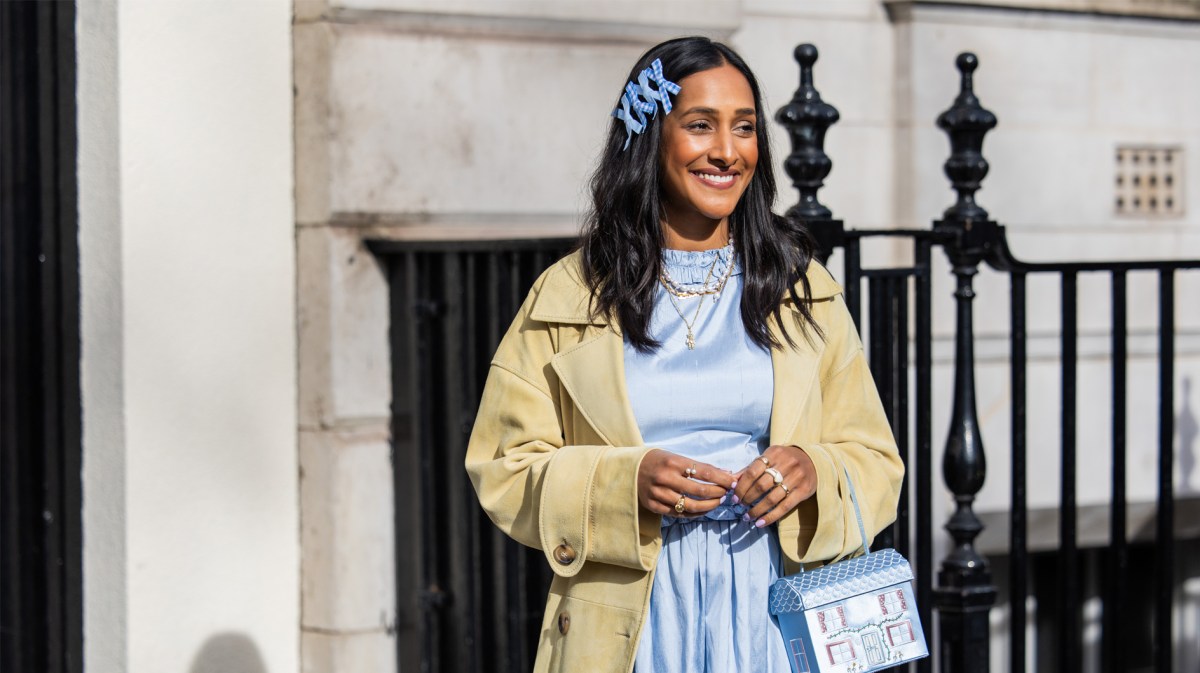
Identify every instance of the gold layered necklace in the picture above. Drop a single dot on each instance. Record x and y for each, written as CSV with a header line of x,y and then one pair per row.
x,y
675,292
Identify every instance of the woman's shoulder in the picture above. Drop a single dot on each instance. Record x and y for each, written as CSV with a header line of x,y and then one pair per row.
x,y
561,294
821,283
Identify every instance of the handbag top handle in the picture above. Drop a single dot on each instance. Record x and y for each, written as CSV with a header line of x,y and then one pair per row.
x,y
862,532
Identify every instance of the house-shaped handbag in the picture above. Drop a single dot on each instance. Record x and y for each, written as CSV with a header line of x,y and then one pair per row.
x,y
853,616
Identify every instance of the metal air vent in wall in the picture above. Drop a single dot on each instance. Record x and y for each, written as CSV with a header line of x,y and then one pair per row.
x,y
1149,181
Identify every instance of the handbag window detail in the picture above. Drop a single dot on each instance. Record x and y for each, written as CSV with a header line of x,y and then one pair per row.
x,y
853,616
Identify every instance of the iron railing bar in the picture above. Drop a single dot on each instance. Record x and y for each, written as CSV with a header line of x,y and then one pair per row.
x,y
899,292
539,259
506,639
383,247
456,530
853,285
877,343
1002,259
1070,659
1018,525
514,278
882,362
412,628
1165,521
917,234
487,638
898,272
434,588
495,316
1110,265
924,441
518,586
1115,600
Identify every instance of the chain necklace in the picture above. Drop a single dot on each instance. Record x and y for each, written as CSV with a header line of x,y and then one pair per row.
x,y
675,297
676,288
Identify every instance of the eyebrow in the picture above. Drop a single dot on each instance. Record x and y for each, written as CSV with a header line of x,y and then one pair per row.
x,y
707,110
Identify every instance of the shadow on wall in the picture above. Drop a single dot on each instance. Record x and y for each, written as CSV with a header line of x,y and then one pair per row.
x,y
228,653
1189,429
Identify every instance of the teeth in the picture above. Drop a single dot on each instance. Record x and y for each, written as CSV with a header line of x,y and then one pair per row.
x,y
718,179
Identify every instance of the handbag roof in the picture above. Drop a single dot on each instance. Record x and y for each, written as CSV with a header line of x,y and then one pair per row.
x,y
839,581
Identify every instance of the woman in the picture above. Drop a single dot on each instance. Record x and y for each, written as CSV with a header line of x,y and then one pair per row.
x,y
672,415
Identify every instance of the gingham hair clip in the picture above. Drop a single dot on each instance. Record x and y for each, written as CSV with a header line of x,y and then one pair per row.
x,y
641,98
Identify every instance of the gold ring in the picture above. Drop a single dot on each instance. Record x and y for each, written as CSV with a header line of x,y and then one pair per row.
x,y
679,505
765,461
776,475
786,491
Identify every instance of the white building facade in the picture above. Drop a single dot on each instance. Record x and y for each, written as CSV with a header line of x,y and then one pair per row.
x,y
235,157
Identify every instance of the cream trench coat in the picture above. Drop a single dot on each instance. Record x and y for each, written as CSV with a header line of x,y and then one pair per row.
x,y
555,450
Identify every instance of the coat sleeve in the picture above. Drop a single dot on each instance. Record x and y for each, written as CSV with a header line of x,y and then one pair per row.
x,y
854,437
576,502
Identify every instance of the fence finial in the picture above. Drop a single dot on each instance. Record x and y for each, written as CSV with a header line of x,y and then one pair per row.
x,y
966,122
806,119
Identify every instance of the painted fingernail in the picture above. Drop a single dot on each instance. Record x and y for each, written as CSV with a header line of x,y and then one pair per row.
x,y
736,500
733,485
760,523
746,517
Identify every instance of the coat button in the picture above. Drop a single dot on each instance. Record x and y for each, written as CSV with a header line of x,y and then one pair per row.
x,y
564,554
564,622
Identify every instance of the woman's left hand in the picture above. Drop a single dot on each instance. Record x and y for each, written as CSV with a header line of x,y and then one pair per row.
x,y
755,485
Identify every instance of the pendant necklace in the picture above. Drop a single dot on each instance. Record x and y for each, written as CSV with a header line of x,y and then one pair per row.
x,y
674,295
691,338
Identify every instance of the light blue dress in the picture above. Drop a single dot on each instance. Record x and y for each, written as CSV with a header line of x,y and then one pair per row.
x,y
708,608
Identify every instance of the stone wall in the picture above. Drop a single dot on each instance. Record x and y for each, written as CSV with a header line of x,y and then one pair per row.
x,y
191,558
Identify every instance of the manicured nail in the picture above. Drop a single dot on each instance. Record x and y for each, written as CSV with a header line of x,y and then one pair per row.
x,y
736,500
760,523
746,517
734,485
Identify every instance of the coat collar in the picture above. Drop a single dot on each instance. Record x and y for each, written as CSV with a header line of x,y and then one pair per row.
x,y
604,401
564,297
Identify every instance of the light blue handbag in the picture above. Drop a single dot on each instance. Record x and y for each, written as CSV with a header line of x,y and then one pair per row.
x,y
853,616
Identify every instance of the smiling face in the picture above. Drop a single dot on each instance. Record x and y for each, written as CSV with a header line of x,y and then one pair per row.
x,y
707,157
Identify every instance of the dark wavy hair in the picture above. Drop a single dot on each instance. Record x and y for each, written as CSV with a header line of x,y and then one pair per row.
x,y
623,238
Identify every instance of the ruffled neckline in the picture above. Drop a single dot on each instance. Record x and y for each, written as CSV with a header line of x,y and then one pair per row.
x,y
690,267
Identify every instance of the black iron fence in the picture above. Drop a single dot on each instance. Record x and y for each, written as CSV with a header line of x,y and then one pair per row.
x,y
1117,653
41,490
464,589
469,598
965,592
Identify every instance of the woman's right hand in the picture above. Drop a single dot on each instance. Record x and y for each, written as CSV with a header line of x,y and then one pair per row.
x,y
663,478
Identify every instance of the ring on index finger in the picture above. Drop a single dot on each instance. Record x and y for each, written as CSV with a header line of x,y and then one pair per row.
x,y
764,460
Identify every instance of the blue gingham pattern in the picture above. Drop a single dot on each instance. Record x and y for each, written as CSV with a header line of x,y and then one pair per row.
x,y
663,85
839,581
641,99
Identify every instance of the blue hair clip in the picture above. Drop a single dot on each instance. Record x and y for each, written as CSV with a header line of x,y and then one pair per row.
x,y
640,99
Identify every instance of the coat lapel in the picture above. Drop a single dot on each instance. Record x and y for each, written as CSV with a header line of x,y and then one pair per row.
x,y
593,370
601,398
